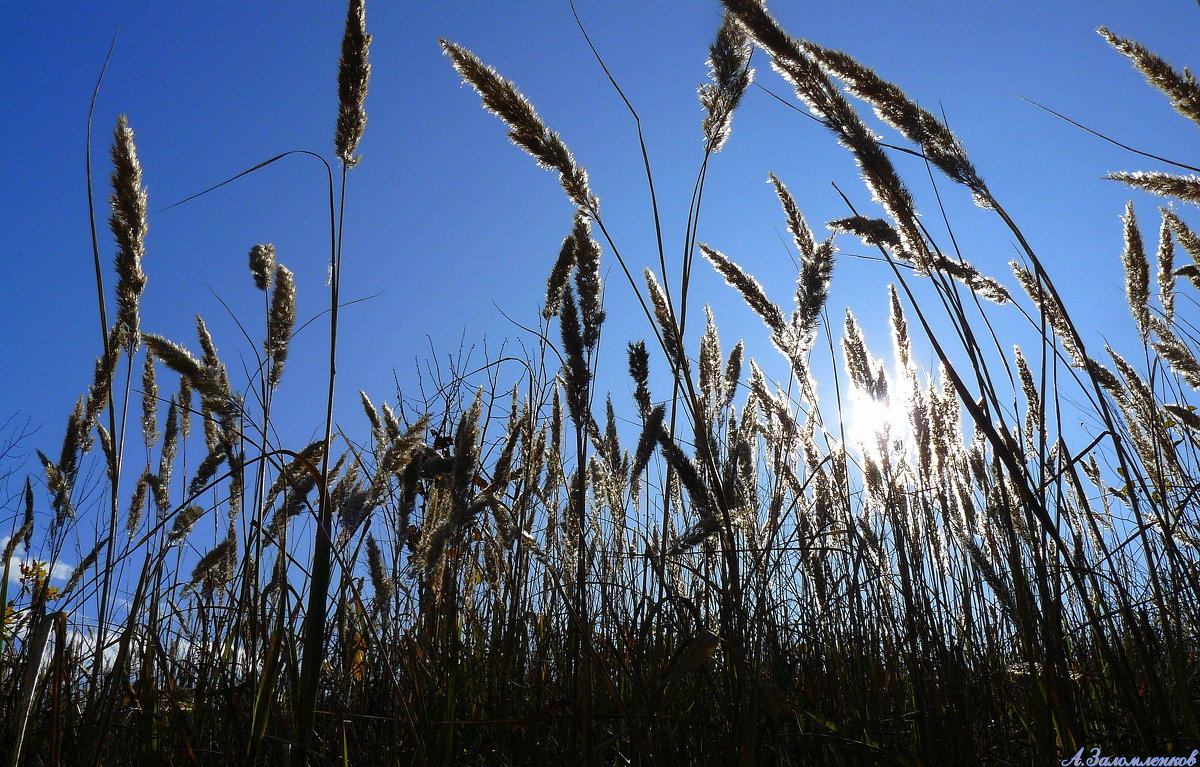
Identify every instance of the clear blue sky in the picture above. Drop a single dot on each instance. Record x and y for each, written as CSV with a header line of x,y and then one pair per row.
x,y
446,217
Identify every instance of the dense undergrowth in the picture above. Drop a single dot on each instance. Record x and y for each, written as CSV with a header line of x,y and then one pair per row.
x,y
501,580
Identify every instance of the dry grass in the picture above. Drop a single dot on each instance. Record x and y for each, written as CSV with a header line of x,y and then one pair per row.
x,y
499,580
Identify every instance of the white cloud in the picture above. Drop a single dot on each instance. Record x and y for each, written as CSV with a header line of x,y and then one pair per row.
x,y
60,572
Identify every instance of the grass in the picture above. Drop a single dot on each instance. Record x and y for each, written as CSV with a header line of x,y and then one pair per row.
x,y
499,579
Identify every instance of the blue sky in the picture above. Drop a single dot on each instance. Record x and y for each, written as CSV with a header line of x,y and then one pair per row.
x,y
450,224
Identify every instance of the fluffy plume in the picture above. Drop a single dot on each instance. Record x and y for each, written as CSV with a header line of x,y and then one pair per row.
x,y
873,231
1177,354
1186,188
939,145
818,93
1137,272
730,73
81,568
587,280
1165,258
283,318
576,373
1183,90
262,265
525,128
128,224
150,433
866,373
354,73
216,567
560,275
751,291
711,382
639,371
184,523
665,317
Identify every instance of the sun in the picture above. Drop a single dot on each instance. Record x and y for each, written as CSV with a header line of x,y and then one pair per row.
x,y
872,422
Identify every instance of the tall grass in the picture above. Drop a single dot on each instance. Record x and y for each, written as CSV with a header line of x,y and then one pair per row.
x,y
489,575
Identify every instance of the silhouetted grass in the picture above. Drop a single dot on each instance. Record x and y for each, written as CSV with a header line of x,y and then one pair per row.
x,y
491,576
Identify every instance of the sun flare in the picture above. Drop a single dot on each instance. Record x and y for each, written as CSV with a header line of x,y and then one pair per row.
x,y
870,420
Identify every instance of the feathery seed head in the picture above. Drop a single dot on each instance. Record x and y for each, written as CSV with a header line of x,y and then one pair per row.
x,y
1186,188
751,291
1165,258
730,72
354,73
587,279
559,275
525,128
665,317
1137,272
1182,90
262,264
129,225
184,523
639,371
283,318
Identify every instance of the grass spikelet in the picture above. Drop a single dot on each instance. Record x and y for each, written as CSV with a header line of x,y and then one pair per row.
x,y
814,88
182,362
901,341
102,375
801,233
216,567
525,128
1137,272
1186,188
672,343
733,372
1165,258
24,533
184,522
1108,380
1055,315
873,231
150,432
1033,399
970,276
384,588
184,399
128,224
576,374
207,469
1182,90
939,145
137,503
466,447
812,291
587,280
262,265
283,318
730,73
865,373
1187,238
645,446
639,371
354,74
750,290
292,473
559,275
1184,415
697,490
711,381
1177,354
170,442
